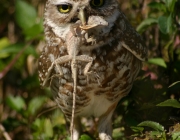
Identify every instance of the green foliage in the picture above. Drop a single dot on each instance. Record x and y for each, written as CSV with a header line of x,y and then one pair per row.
x,y
154,125
85,137
158,5
16,103
171,103
145,24
158,61
174,86
28,111
25,14
15,48
164,20
176,136
4,42
158,133
19,104
26,18
35,104
165,24
44,129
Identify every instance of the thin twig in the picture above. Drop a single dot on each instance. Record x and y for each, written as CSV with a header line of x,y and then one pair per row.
x,y
11,64
5,134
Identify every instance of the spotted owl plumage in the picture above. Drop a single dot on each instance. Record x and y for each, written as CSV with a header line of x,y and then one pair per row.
x,y
117,52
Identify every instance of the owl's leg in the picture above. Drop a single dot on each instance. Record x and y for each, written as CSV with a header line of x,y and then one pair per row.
x,y
105,128
76,129
105,124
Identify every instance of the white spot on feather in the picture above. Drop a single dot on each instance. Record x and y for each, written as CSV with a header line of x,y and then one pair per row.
x,y
51,57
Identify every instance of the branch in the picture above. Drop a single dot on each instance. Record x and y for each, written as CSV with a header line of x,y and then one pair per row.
x,y
5,134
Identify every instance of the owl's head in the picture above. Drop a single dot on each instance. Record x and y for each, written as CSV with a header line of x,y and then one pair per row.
x,y
61,14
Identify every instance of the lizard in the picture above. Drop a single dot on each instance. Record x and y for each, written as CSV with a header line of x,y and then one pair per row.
x,y
74,41
73,46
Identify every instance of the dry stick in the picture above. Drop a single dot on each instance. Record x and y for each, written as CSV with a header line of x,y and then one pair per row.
x,y
5,134
10,65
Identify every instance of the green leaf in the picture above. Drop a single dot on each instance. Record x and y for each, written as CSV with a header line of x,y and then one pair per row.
x,y
163,24
33,31
170,4
157,5
170,23
137,129
117,133
170,103
174,86
156,126
35,104
25,14
155,134
57,118
48,129
176,136
85,137
158,61
37,124
4,42
145,24
15,48
16,103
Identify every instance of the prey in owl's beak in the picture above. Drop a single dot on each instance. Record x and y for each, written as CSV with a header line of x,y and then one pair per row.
x,y
93,21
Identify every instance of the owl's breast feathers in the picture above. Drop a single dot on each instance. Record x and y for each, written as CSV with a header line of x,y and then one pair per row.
x,y
122,33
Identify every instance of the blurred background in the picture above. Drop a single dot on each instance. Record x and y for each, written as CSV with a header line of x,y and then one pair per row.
x,y
152,109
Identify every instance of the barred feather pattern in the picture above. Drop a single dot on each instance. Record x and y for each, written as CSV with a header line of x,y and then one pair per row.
x,y
117,59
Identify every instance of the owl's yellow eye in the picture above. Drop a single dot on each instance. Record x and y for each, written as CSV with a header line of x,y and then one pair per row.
x,y
64,8
97,3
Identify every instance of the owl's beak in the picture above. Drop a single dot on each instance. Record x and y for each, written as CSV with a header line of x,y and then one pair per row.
x,y
82,16
93,21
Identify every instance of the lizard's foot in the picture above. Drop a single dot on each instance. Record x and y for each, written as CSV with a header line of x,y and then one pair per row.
x,y
58,73
93,76
90,39
53,76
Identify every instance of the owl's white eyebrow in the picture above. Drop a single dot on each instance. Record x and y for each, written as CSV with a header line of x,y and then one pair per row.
x,y
59,2
63,3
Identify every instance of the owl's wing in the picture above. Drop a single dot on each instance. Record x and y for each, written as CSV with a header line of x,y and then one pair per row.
x,y
47,57
43,65
130,39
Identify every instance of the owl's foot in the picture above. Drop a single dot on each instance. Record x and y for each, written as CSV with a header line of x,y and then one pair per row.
x,y
105,124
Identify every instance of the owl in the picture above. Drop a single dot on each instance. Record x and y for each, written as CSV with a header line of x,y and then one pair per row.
x,y
90,61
